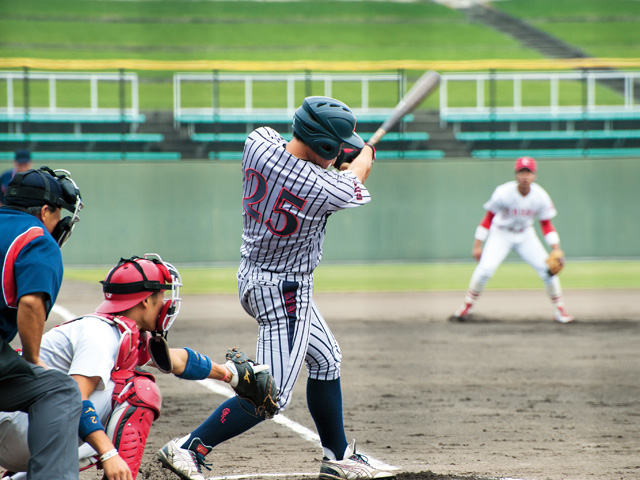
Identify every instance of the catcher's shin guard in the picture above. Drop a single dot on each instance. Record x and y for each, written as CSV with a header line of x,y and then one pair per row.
x,y
138,404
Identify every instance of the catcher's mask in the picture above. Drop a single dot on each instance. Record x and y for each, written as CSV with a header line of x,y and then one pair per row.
x,y
134,279
324,124
44,186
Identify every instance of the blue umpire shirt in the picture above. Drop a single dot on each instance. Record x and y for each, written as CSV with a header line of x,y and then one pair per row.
x,y
31,263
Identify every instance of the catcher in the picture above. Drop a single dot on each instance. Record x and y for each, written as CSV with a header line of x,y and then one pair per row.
x,y
103,351
508,225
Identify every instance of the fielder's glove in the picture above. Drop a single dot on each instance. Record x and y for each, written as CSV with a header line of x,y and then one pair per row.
x,y
253,382
555,261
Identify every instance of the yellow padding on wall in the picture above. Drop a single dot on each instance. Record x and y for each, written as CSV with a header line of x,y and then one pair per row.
x,y
301,65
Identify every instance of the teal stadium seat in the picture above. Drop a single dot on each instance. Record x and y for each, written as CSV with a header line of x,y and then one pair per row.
x,y
98,156
81,137
548,135
558,153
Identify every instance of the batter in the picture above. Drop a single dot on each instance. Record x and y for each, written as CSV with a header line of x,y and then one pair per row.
x,y
508,225
288,196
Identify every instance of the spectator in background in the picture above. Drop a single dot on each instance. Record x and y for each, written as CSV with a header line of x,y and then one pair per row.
x,y
21,163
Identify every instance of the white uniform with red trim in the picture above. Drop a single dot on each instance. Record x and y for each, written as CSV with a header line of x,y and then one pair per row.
x,y
512,229
510,219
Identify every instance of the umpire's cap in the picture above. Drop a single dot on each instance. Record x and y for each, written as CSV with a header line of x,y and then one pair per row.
x,y
324,123
35,188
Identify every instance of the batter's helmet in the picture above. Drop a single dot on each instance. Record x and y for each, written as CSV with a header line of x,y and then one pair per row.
x,y
134,279
324,123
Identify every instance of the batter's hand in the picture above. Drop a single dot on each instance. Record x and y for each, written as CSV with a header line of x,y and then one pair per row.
x,y
345,157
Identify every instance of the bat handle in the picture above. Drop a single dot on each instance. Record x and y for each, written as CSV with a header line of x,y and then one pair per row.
x,y
377,136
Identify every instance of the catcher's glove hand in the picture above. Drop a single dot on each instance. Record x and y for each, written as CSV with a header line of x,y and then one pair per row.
x,y
253,382
555,261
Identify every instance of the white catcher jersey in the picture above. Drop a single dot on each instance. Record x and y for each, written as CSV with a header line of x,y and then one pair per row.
x,y
517,212
286,204
85,347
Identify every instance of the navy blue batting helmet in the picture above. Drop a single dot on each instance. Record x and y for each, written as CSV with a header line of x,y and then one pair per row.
x,y
324,123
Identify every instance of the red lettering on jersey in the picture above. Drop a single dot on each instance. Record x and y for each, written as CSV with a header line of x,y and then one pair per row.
x,y
358,191
515,212
290,302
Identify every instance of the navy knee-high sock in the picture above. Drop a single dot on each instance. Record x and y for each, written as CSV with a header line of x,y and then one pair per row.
x,y
324,399
227,421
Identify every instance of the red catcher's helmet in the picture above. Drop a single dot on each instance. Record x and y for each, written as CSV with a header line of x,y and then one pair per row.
x,y
527,163
134,279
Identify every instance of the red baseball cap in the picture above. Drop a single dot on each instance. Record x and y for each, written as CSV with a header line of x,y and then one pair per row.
x,y
526,163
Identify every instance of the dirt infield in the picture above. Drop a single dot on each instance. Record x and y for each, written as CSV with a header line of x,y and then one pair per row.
x,y
511,394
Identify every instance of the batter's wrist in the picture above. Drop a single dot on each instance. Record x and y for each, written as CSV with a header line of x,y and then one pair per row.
x,y
373,150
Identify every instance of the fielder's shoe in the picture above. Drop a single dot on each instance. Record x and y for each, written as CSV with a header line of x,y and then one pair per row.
x,y
186,463
353,467
463,313
561,315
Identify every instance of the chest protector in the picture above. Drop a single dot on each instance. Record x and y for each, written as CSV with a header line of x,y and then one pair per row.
x,y
133,350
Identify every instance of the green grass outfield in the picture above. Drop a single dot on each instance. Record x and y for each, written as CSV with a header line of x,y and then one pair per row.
x,y
408,277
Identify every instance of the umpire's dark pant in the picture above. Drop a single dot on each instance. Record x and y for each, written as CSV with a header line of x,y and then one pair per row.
x,y
52,400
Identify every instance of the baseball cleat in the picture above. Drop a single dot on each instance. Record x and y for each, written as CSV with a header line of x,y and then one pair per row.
x,y
353,467
463,313
561,315
185,463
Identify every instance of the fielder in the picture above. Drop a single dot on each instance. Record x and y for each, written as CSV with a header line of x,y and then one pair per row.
x,y
288,196
508,225
102,353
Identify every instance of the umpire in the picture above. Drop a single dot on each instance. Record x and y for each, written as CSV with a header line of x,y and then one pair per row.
x,y
31,234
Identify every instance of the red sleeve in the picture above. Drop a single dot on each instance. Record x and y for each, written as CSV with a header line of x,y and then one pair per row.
x,y
547,226
486,221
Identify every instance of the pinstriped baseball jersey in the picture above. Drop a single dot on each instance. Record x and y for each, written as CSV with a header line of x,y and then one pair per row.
x,y
286,203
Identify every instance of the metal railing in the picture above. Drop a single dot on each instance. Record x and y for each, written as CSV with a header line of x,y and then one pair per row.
x,y
524,93
209,104
31,99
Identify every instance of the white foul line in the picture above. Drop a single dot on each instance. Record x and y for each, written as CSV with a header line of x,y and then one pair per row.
x,y
63,312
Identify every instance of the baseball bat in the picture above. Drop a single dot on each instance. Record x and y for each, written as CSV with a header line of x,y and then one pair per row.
x,y
426,84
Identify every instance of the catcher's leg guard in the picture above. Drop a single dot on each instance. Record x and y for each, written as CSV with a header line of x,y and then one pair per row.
x,y
138,406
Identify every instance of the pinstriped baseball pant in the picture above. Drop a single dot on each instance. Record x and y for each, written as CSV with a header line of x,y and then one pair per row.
x,y
292,330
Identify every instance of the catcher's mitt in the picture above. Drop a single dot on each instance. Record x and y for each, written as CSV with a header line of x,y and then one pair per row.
x,y
555,261
253,382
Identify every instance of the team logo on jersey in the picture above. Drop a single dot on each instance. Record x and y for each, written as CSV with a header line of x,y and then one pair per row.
x,y
223,417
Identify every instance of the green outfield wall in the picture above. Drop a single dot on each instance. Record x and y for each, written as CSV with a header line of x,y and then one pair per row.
x,y
190,212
